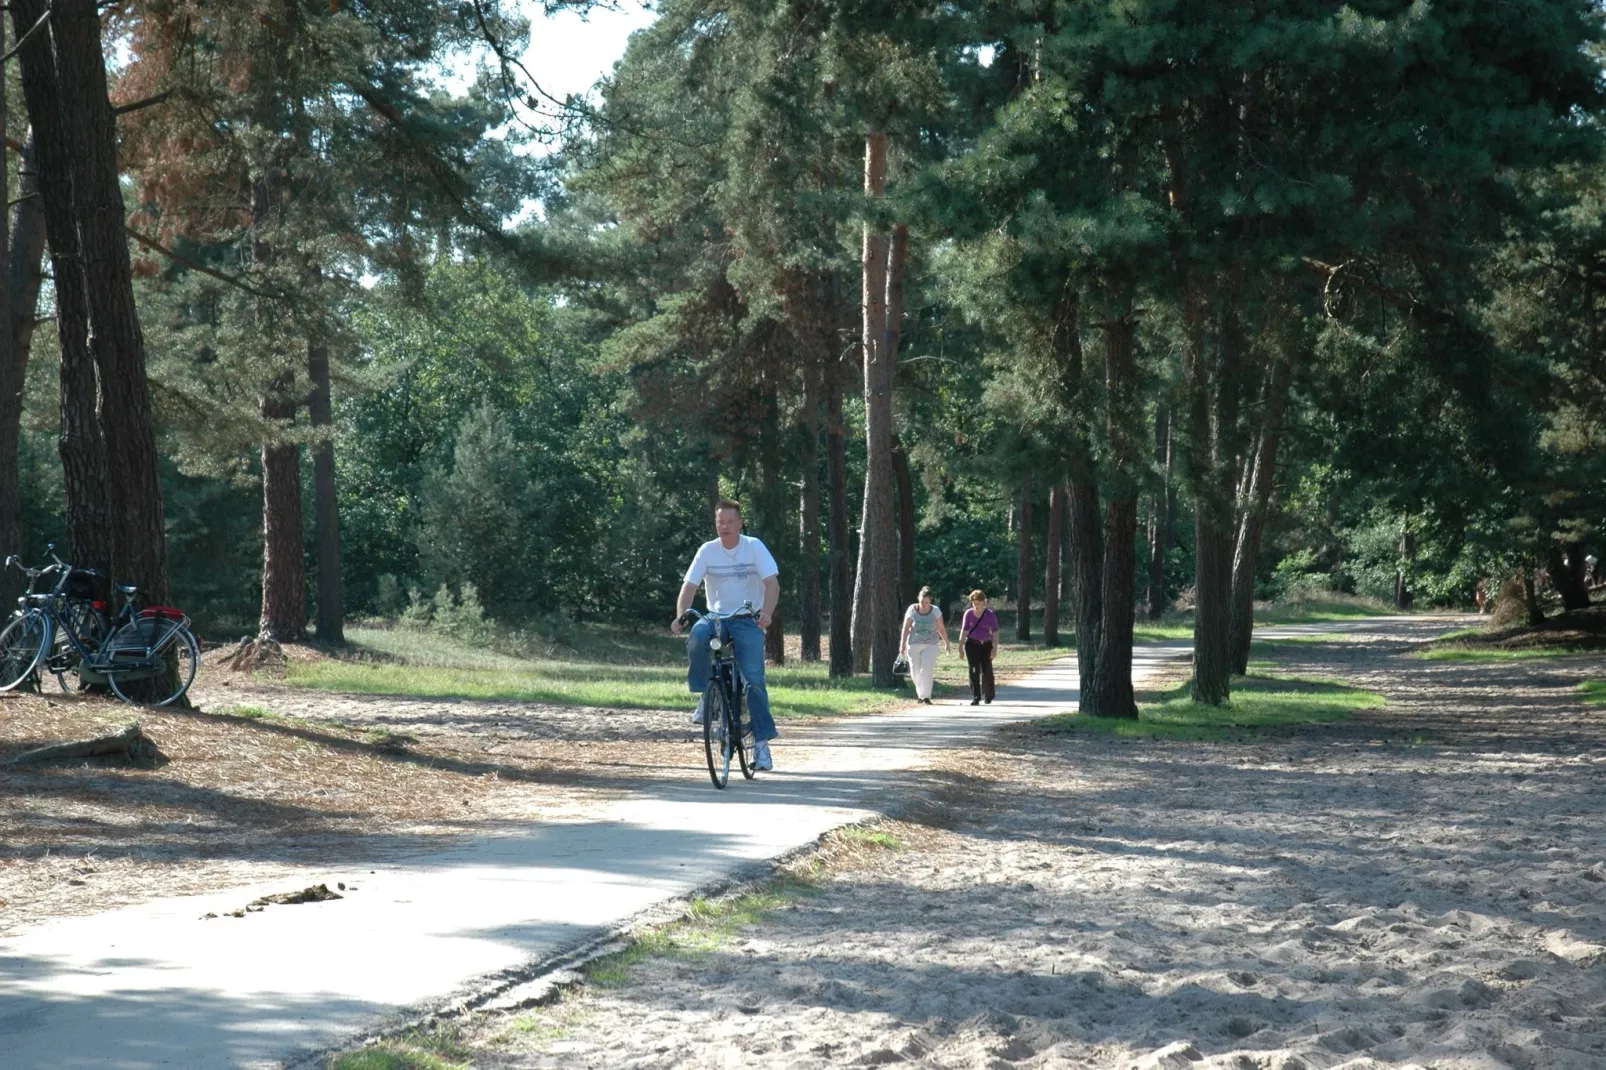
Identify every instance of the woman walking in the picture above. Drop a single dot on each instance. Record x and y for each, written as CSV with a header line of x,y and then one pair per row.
x,y
978,631
923,629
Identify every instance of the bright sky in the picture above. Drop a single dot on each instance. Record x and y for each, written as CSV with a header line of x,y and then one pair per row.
x,y
569,52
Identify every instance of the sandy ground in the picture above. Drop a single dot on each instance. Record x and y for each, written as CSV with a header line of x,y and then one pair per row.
x,y
1421,888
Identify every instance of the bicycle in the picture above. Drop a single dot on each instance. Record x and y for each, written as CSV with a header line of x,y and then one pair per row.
x,y
148,657
727,727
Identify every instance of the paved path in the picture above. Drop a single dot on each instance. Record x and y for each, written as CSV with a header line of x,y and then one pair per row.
x,y
159,985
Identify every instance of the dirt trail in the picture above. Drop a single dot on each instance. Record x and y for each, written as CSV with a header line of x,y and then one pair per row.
x,y
1348,897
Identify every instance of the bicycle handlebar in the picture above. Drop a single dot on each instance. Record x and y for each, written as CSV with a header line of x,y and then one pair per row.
x,y
692,616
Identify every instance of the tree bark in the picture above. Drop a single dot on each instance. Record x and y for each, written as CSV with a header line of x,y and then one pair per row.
x,y
82,449
1087,573
1404,576
862,587
772,499
284,573
1530,600
1212,471
24,261
1567,574
878,550
326,506
139,538
1023,565
1257,497
906,523
1111,692
836,478
1051,572
13,365
809,512
1162,513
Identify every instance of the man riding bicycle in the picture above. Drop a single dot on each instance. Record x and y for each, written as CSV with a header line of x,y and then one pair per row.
x,y
737,569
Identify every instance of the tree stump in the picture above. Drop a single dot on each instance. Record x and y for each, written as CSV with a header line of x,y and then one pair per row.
x,y
251,654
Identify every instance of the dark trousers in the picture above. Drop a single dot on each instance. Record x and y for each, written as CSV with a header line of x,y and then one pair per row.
x,y
978,656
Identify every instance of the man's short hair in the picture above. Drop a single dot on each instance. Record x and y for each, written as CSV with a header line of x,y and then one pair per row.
x,y
727,503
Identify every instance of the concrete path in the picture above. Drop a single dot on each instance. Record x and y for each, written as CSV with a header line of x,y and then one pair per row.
x,y
160,985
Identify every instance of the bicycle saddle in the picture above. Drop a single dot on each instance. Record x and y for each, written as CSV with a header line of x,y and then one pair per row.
x,y
127,588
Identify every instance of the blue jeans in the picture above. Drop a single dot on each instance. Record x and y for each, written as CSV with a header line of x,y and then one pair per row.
x,y
748,637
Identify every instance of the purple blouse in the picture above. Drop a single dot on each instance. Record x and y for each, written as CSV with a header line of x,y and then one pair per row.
x,y
983,629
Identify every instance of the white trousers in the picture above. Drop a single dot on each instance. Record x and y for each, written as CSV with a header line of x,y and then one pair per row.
x,y
923,667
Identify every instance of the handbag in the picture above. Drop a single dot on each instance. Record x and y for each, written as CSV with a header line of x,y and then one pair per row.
x,y
900,665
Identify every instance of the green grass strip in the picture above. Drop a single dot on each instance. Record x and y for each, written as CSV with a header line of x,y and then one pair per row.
x,y
1594,692
1476,654
1258,701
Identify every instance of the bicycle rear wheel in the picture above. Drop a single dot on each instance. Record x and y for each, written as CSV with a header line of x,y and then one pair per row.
x,y
716,732
23,643
162,676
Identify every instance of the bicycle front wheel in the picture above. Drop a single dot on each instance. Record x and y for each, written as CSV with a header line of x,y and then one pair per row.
x,y
744,737
22,646
160,676
716,733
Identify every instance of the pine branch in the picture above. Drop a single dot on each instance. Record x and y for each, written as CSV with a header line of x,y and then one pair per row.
x,y
185,262
124,109
25,38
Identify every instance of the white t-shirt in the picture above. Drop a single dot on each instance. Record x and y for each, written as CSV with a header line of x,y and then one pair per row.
x,y
733,576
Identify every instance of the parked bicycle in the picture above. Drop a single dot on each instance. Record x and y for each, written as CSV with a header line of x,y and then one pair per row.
x,y
62,625
727,728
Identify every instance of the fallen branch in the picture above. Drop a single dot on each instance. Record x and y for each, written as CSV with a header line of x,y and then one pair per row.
x,y
131,742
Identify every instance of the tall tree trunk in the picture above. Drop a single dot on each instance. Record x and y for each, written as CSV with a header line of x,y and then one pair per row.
x,y
139,537
1212,470
1257,497
878,549
862,590
1530,600
1023,565
809,512
1162,514
836,480
877,475
326,506
82,449
771,499
1111,692
906,523
1404,576
13,365
1051,573
23,257
1567,574
284,571
1087,572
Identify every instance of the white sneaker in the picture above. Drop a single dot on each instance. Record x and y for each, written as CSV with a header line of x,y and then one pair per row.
x,y
761,757
697,714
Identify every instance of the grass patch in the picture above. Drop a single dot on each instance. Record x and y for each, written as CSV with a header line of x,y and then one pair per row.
x,y
439,1049
804,690
1258,702
1594,692
249,713
870,836
1270,646
1330,607
641,673
710,925
1475,654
